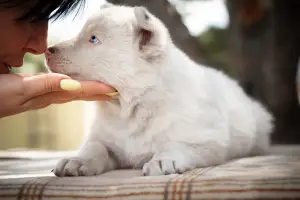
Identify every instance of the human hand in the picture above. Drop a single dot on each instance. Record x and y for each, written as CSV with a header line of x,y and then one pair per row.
x,y
19,93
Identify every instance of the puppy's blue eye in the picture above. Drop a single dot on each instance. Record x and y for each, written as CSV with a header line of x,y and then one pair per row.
x,y
94,40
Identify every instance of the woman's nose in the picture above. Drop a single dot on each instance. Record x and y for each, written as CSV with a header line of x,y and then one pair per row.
x,y
37,43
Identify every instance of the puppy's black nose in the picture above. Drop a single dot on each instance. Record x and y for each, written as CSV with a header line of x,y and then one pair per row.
x,y
50,51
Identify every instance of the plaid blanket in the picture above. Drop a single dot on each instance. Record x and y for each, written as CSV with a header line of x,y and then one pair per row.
x,y
266,177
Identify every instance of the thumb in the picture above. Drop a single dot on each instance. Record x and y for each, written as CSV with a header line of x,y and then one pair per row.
x,y
43,83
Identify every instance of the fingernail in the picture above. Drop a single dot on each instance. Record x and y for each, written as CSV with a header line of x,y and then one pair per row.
x,y
112,94
69,85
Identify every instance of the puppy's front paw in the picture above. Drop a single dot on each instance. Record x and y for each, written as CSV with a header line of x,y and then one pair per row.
x,y
78,167
165,167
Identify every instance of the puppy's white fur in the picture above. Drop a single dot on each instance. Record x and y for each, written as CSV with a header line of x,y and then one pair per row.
x,y
172,115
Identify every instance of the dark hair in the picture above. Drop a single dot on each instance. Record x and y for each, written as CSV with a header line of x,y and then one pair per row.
x,y
39,10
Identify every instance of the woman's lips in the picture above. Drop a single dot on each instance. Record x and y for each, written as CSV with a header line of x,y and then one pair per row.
x,y
5,69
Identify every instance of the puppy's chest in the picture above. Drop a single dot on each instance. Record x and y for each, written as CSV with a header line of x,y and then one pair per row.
x,y
132,151
132,144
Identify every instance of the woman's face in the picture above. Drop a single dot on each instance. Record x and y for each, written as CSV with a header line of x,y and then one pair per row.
x,y
18,38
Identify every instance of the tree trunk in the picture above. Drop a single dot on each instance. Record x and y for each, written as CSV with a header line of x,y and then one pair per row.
x,y
266,48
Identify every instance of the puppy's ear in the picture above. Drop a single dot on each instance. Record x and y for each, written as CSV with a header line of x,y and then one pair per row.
x,y
106,5
145,26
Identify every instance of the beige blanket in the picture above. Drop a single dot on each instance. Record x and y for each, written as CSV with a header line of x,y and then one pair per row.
x,y
266,177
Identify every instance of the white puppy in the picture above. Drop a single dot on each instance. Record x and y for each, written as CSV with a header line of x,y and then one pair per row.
x,y
172,115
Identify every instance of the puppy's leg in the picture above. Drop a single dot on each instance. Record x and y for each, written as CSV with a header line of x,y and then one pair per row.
x,y
179,157
93,159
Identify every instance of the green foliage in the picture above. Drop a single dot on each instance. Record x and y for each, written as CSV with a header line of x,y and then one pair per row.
x,y
32,64
214,42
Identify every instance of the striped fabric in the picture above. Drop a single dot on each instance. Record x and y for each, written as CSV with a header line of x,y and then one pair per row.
x,y
266,177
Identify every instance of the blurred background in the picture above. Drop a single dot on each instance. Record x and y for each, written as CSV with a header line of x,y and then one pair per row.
x,y
254,41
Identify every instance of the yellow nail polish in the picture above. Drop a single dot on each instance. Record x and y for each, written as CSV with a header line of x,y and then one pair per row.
x,y
112,94
70,85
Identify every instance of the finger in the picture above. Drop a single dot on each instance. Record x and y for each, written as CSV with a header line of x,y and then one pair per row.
x,y
100,97
46,83
92,88
45,100
42,84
